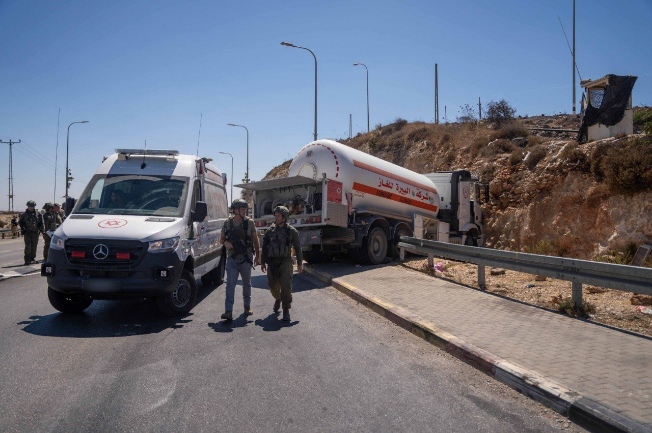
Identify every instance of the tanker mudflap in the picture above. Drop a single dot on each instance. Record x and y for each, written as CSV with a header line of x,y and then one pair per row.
x,y
310,237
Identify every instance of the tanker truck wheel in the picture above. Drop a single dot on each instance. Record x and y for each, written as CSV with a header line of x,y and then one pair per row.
x,y
374,247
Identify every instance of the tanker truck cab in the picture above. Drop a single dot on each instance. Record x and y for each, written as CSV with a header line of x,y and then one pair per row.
x,y
146,226
344,201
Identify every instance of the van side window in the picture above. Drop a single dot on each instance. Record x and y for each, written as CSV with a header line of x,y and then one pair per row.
x,y
196,194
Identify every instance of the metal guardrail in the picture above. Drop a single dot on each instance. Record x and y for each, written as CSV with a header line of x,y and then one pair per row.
x,y
620,277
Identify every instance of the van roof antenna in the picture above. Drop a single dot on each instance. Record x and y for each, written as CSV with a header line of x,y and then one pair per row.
x,y
201,115
143,165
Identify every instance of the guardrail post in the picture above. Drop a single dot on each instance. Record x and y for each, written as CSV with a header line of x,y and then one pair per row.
x,y
481,281
402,254
577,293
431,261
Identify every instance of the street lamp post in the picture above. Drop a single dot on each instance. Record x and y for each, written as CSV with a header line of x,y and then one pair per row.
x,y
68,178
287,44
227,153
365,66
246,179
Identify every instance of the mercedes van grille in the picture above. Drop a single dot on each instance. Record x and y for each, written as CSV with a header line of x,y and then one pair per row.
x,y
136,250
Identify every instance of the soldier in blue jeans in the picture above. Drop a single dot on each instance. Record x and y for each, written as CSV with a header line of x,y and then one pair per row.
x,y
241,242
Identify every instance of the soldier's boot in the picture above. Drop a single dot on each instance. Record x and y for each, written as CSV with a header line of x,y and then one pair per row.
x,y
286,315
277,305
228,315
248,311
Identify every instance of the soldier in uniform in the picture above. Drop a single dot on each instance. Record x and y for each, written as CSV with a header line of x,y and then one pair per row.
x,y
277,259
14,227
29,225
241,242
51,221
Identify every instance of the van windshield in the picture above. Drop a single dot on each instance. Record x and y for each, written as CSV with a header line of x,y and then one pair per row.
x,y
128,194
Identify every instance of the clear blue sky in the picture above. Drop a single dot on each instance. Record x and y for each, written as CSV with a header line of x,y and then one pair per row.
x,y
146,70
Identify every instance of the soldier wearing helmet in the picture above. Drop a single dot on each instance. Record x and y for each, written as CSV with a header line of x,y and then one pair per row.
x,y
29,224
50,222
241,242
278,242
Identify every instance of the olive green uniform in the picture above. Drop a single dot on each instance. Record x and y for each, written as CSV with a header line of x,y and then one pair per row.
x,y
29,224
51,221
277,255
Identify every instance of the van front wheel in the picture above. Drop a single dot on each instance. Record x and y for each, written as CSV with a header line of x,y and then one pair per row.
x,y
182,299
68,303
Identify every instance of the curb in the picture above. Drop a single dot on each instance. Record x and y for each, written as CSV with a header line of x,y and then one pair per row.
x,y
578,408
13,274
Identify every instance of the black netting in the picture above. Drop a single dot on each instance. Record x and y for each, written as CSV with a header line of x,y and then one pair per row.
x,y
607,106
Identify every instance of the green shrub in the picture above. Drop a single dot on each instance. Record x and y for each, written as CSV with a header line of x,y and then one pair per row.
x,y
516,157
500,112
542,248
511,130
418,134
643,120
574,157
597,155
567,306
627,168
537,153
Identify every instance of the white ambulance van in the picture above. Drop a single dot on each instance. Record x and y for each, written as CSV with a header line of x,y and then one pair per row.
x,y
147,226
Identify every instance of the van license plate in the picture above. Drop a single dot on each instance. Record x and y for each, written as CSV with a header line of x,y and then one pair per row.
x,y
101,286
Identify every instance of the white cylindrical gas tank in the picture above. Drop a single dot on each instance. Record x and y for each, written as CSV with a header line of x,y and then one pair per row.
x,y
372,182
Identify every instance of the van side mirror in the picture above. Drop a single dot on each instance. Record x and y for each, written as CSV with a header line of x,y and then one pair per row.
x,y
200,212
225,180
69,204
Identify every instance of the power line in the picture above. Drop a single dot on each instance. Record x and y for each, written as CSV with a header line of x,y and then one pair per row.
x,y
35,157
569,47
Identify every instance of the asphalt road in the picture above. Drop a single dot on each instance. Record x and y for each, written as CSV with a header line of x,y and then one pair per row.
x,y
12,252
336,367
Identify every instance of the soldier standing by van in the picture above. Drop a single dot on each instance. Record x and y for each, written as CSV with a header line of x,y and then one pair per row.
x,y
29,225
240,239
51,221
277,254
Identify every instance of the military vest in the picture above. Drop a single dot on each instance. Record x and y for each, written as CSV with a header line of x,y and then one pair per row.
x,y
279,242
31,221
238,231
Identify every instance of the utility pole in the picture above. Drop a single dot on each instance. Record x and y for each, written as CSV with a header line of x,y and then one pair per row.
x,y
445,116
436,96
350,125
574,110
479,109
11,174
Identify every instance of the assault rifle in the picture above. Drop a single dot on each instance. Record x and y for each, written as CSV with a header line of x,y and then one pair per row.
x,y
239,247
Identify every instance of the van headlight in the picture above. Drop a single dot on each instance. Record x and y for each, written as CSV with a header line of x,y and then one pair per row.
x,y
56,243
164,245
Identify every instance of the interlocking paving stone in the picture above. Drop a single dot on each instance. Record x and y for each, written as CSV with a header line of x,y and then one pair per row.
x,y
610,366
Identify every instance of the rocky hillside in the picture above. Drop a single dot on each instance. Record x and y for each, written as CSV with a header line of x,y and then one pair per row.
x,y
549,194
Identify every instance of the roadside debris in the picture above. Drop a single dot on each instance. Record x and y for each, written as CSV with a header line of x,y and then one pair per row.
x,y
644,310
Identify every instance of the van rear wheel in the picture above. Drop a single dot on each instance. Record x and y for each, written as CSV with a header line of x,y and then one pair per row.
x,y
182,299
68,303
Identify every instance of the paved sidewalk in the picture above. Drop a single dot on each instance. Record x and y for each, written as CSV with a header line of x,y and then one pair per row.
x,y
571,365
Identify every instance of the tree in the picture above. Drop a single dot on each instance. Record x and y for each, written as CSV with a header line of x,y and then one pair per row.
x,y
500,112
468,114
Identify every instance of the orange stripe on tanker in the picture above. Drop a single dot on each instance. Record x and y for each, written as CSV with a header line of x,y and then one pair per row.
x,y
395,197
381,172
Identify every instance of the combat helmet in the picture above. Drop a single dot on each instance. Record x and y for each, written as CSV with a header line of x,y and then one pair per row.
x,y
283,211
31,203
47,206
238,204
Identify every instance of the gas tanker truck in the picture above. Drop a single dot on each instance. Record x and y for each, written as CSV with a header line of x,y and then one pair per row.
x,y
342,200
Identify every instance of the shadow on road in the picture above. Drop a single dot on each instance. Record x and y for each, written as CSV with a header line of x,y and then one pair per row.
x,y
109,319
274,323
226,326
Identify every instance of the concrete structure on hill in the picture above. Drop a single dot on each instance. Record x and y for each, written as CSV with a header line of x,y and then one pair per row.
x,y
607,107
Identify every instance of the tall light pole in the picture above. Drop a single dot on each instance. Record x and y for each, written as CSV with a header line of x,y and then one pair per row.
x,y
68,178
287,44
227,153
365,66
246,179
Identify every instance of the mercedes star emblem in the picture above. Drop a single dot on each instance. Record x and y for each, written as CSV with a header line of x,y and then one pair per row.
x,y
101,251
